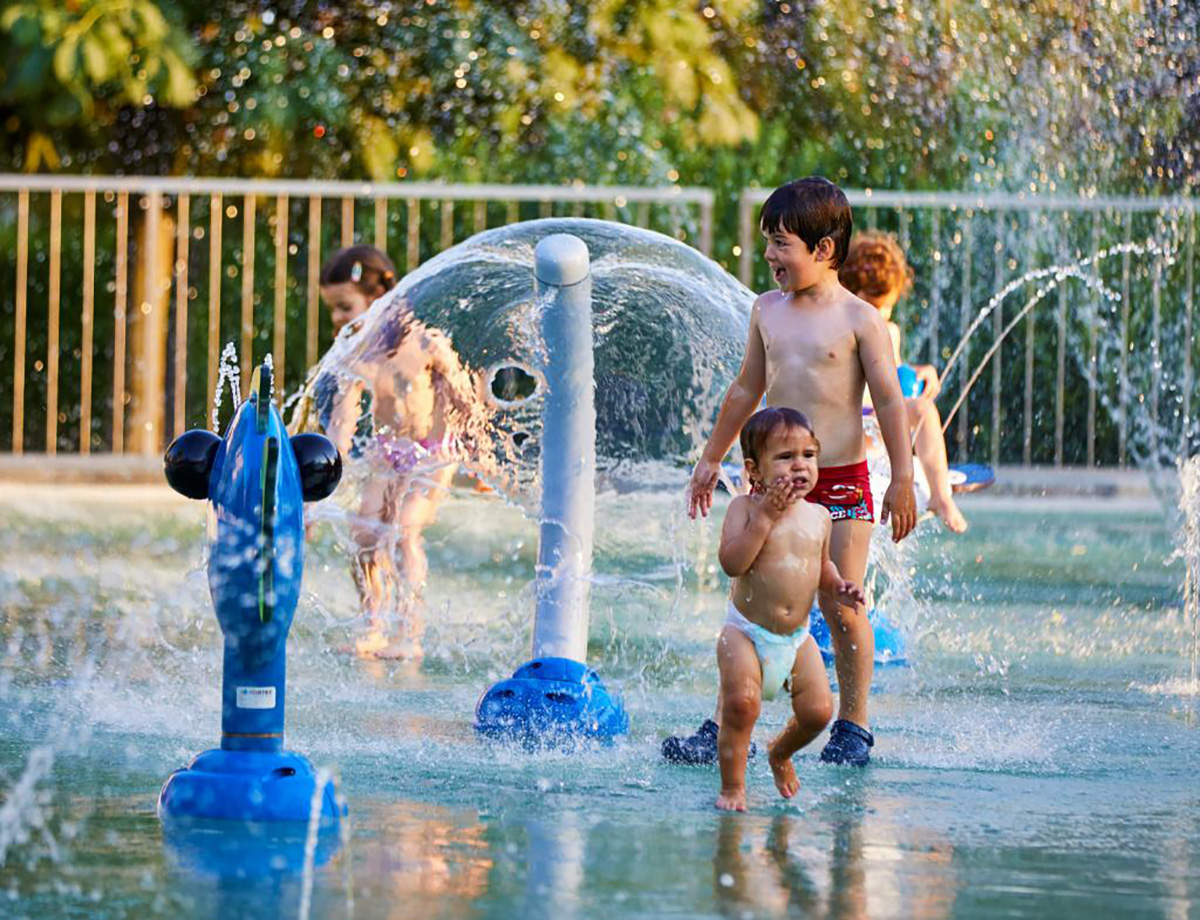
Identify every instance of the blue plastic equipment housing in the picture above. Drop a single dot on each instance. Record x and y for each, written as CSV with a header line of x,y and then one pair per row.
x,y
248,786
890,644
549,701
255,564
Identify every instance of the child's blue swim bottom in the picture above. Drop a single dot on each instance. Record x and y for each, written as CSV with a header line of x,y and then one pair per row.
x,y
776,653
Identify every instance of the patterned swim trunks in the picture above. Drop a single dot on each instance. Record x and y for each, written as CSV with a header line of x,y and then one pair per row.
x,y
845,491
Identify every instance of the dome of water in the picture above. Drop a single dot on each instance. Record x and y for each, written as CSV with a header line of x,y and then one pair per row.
x,y
669,326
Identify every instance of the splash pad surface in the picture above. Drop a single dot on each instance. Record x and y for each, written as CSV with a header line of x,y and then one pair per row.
x,y
1035,758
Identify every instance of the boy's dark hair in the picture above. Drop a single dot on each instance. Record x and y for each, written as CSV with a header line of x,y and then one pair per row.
x,y
812,208
760,425
365,267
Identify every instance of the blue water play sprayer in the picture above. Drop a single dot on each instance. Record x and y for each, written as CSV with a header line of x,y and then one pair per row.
x,y
256,481
555,696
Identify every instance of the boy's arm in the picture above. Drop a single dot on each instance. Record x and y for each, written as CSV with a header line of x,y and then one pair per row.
x,y
875,353
344,416
464,392
741,399
831,579
742,536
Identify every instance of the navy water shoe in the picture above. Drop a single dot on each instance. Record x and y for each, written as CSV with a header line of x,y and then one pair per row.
x,y
849,744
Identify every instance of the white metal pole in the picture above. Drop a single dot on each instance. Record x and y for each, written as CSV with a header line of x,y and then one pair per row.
x,y
568,450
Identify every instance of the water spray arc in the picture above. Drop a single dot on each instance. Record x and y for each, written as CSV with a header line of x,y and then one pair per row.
x,y
556,694
256,480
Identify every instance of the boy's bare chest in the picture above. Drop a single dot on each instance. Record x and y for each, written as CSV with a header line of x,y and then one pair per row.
x,y
806,340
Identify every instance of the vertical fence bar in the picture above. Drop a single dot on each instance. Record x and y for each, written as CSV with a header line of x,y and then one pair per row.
x,y
53,309
312,291
1188,305
964,313
641,215
148,409
872,219
1156,339
1123,359
89,313
347,222
1060,379
997,329
935,293
18,425
249,207
183,234
706,228
413,241
1027,396
381,226
545,208
216,218
1092,340
480,216
746,242
120,307
447,228
279,320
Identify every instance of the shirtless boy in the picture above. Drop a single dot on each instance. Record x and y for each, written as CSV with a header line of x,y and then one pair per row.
x,y
775,548
813,346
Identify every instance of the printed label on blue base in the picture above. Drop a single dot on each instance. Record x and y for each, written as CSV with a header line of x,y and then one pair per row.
x,y
255,697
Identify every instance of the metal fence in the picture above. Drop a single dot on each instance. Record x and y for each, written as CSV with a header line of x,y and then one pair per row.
x,y
117,283
110,366
1088,361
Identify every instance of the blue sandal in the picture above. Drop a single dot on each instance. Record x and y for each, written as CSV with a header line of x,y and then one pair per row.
x,y
849,744
699,748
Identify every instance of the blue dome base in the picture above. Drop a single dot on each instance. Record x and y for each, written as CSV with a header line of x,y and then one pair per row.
x,y
549,701
890,645
247,786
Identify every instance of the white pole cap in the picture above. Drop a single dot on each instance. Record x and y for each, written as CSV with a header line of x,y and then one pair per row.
x,y
561,260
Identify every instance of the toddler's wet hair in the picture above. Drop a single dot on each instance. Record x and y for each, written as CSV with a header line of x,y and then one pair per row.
x,y
762,423
812,208
876,266
368,269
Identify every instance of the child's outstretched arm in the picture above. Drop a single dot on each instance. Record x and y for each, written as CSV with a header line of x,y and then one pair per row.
x,y
875,353
741,399
468,412
847,592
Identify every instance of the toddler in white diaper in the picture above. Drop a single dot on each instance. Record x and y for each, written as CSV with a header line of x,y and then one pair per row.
x,y
775,547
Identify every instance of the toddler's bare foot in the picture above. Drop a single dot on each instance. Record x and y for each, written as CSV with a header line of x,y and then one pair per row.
x,y
376,645
784,772
950,515
732,799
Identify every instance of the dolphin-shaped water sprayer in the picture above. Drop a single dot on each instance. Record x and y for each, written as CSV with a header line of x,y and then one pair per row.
x,y
256,480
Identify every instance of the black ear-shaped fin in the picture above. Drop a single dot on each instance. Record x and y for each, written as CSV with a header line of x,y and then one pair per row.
x,y
188,462
320,465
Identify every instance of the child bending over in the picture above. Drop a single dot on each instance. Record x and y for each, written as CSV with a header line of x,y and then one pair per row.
x,y
775,547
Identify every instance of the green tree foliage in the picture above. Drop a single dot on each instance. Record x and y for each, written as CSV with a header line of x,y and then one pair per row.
x,y
1039,96
71,64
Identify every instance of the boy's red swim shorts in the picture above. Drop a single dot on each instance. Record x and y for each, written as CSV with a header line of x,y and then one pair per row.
x,y
845,491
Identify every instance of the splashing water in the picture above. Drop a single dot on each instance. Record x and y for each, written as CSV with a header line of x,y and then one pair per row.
x,y
229,373
1189,475
1057,275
